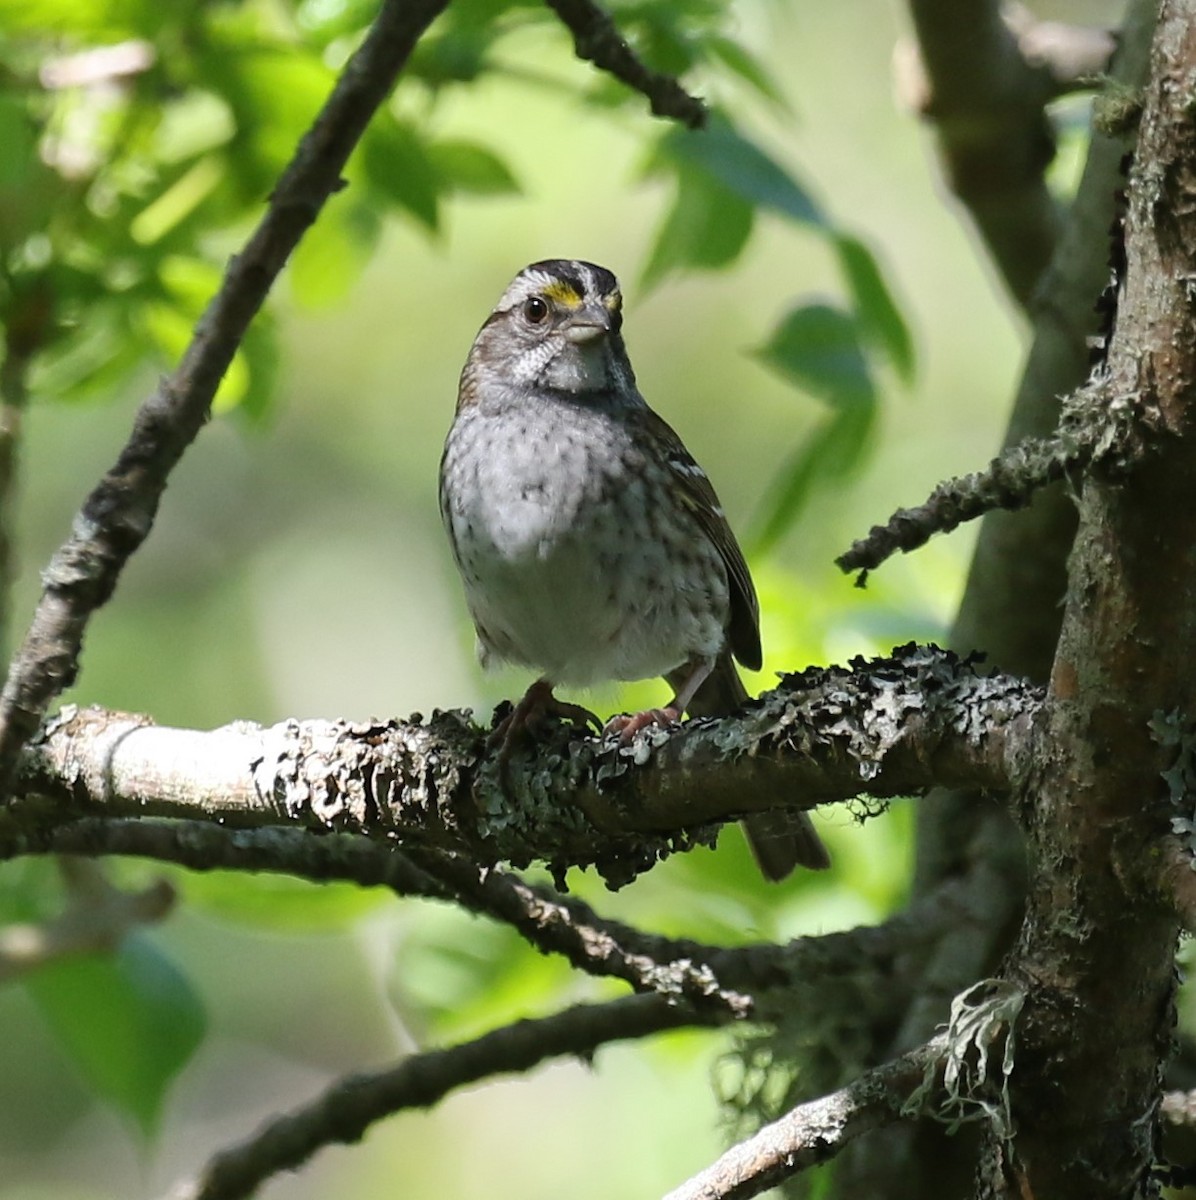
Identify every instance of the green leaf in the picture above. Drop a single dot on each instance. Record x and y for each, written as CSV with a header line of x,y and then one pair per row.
x,y
747,67
832,452
706,227
817,348
130,1021
398,167
739,165
468,167
463,977
260,354
334,252
879,318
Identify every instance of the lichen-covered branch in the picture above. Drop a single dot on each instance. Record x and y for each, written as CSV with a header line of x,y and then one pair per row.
x,y
118,514
344,1112
885,727
1099,427
597,40
1009,482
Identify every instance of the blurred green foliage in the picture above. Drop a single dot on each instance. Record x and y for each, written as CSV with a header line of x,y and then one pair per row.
x,y
138,143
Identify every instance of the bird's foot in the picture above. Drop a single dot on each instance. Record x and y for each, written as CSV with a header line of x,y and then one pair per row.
x,y
536,706
627,725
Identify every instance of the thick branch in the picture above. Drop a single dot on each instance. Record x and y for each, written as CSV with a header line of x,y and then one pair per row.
x,y
815,1132
117,516
1012,609
1090,1050
597,39
887,727
347,1109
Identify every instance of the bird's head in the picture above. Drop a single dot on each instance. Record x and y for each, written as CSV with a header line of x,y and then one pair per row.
x,y
557,326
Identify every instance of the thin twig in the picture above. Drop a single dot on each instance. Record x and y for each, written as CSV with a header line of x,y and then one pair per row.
x,y
118,515
816,1131
1010,481
597,39
346,1110
1099,428
552,924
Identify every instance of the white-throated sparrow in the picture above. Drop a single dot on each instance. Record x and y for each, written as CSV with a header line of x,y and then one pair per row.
x,y
591,545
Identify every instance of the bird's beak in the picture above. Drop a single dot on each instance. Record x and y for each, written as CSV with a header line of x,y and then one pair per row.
x,y
587,324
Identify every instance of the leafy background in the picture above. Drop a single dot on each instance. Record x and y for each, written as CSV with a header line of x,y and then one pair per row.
x,y
298,566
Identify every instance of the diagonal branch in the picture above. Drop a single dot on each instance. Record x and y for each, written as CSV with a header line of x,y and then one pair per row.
x,y
870,956
816,1131
119,513
887,727
597,39
346,1110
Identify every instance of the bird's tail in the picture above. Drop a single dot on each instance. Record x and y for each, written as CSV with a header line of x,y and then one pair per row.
x,y
780,840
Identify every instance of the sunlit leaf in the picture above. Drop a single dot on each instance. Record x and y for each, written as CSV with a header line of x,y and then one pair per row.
x,y
742,63
462,977
129,1021
334,252
260,353
281,903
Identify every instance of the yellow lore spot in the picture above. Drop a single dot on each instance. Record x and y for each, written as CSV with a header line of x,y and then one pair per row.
x,y
562,293
613,301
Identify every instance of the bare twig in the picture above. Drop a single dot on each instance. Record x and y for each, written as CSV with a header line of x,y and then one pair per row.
x,y
597,39
345,1111
118,515
814,1132
570,928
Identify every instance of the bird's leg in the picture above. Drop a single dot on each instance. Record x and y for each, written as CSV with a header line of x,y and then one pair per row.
x,y
537,704
627,725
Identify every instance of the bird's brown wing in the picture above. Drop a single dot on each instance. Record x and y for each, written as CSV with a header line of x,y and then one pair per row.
x,y
698,496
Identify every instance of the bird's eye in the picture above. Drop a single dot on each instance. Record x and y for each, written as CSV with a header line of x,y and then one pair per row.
x,y
535,309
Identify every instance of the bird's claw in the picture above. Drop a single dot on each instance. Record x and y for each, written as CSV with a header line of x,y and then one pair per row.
x,y
627,725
